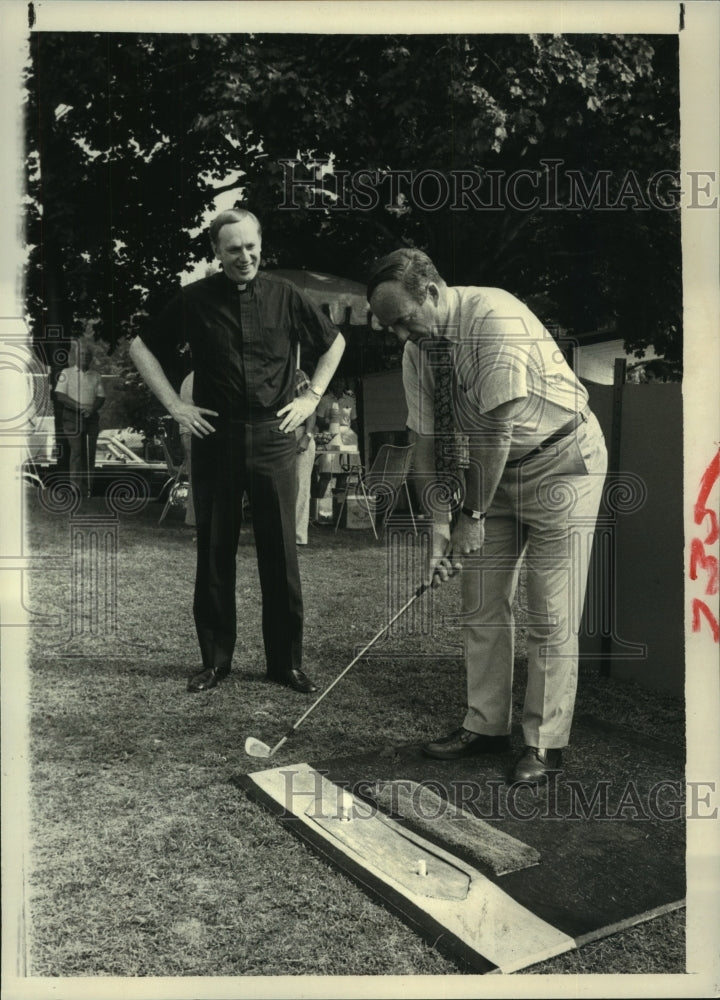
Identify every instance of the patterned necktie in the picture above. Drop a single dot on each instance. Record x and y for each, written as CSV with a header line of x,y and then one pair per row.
x,y
449,456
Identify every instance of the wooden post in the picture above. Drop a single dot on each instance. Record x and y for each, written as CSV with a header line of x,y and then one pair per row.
x,y
619,375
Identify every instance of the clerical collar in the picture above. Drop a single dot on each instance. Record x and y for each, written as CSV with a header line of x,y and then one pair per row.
x,y
244,287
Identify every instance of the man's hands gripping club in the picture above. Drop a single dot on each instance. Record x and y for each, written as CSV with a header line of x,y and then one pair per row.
x,y
448,545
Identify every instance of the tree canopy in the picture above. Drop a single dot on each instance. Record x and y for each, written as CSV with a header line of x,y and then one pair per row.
x,y
557,153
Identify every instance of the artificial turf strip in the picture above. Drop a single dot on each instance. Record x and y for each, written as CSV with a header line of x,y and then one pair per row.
x,y
604,865
424,811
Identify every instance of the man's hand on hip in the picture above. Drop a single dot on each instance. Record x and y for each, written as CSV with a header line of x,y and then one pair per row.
x,y
191,420
296,413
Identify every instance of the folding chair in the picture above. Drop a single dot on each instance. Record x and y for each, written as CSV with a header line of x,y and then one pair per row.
x,y
30,471
30,468
384,480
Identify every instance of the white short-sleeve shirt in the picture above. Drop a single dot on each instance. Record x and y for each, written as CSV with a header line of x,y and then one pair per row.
x,y
501,352
82,387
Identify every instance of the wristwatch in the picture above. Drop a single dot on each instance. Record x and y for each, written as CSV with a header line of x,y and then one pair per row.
x,y
476,515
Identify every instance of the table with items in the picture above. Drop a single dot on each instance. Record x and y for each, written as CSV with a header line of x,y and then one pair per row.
x,y
337,468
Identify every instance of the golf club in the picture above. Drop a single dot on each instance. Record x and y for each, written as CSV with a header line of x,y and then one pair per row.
x,y
256,748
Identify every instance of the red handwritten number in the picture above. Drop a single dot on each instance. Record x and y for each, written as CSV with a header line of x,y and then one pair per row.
x,y
697,549
700,607
710,477
709,563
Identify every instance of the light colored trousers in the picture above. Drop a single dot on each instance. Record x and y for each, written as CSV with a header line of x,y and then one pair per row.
x,y
305,461
544,511
190,506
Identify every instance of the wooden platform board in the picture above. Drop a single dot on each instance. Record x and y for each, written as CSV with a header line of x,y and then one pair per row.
x,y
423,810
429,885
598,869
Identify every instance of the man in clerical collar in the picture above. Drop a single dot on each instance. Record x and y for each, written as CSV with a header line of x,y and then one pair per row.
x,y
244,329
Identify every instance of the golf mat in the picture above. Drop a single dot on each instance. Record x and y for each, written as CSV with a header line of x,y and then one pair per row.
x,y
501,876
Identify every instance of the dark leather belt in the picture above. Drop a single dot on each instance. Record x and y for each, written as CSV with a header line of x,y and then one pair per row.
x,y
558,435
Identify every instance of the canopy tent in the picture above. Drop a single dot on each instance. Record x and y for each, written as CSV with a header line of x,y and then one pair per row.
x,y
338,294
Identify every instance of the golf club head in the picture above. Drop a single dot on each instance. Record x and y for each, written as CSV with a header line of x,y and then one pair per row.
x,y
256,748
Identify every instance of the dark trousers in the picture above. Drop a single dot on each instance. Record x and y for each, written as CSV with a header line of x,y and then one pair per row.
x,y
81,434
258,458
62,445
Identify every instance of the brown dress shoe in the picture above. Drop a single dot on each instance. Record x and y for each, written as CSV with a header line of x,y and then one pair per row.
x,y
535,765
464,743
206,680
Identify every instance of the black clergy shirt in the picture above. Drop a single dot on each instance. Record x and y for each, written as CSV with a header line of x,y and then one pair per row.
x,y
243,342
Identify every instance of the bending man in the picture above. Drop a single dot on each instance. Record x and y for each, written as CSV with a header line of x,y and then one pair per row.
x,y
536,463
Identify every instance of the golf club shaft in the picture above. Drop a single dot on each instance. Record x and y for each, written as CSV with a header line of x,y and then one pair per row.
x,y
418,593
278,745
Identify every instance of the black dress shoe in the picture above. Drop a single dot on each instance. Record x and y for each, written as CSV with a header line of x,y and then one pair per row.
x,y
535,765
295,679
209,678
463,743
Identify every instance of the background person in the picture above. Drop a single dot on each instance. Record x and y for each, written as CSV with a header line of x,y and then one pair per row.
x,y
337,422
186,395
244,328
81,394
532,489
305,435
339,406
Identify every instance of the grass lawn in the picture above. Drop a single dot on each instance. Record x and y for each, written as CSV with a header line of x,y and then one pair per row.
x,y
146,860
